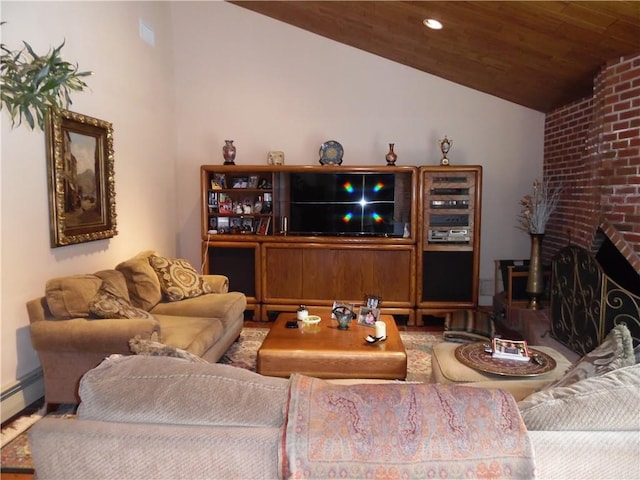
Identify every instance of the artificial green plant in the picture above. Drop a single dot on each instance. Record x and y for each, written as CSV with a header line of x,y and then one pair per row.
x,y
32,83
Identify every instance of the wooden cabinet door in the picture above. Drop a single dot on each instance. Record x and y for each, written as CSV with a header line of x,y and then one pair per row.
x,y
318,274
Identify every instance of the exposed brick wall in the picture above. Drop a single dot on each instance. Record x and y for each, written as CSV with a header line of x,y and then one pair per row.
x,y
592,148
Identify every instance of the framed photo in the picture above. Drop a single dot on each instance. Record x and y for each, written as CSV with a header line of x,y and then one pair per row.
x,y
263,226
81,178
240,182
247,224
368,316
253,181
218,182
372,301
223,224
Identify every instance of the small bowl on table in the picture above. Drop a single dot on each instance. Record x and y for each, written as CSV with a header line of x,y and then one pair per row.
x,y
311,320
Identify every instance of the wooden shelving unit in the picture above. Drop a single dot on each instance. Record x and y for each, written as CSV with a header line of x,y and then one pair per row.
x,y
449,244
418,271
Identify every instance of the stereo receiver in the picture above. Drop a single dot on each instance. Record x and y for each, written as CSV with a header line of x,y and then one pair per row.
x,y
460,235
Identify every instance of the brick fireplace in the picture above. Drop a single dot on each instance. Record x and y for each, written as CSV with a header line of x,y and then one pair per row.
x,y
592,148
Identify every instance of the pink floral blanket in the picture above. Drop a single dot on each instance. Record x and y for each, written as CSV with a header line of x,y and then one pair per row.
x,y
402,430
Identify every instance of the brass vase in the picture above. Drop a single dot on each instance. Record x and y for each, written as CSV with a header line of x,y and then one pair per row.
x,y
535,279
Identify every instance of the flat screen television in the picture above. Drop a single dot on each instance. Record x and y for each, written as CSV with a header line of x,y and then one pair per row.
x,y
344,204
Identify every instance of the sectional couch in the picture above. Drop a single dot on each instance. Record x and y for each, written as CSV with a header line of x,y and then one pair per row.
x,y
167,418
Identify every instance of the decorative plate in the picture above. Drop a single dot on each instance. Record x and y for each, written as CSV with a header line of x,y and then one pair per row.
x,y
331,153
473,355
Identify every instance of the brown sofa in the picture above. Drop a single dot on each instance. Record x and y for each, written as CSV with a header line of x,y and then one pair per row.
x,y
71,338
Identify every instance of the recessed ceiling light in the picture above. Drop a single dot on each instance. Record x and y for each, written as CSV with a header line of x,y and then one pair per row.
x,y
432,23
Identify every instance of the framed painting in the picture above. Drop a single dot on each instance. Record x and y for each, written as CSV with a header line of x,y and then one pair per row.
x,y
81,178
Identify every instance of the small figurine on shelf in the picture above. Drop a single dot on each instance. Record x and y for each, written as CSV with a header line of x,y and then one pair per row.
x,y
445,146
257,207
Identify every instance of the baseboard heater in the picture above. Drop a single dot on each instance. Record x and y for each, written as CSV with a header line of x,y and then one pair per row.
x,y
24,392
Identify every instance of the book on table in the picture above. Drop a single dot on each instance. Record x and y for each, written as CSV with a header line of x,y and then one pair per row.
x,y
510,349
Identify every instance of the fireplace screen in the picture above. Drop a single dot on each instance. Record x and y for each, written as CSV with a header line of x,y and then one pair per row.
x,y
586,304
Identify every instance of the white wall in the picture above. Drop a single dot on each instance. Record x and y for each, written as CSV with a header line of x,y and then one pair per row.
x,y
241,76
132,88
270,86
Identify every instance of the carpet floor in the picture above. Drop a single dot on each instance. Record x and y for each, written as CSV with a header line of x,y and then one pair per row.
x,y
16,456
418,345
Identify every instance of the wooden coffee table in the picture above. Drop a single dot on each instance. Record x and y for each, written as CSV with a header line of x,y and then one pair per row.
x,y
324,351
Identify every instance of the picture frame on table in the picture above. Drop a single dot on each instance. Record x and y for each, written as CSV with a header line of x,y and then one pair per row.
x,y
80,167
368,316
372,301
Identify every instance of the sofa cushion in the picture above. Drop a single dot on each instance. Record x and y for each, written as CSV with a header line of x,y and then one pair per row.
x,y
144,389
142,281
141,346
115,279
69,297
228,307
110,303
605,402
614,352
178,279
193,334
469,326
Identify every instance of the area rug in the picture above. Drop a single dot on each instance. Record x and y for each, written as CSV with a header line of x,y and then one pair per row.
x,y
16,456
418,345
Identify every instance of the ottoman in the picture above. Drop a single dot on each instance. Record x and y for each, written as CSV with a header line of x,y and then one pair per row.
x,y
446,368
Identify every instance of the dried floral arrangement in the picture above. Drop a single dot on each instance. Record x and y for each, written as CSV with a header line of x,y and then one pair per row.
x,y
537,207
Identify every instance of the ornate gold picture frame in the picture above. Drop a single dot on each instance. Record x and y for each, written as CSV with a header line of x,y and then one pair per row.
x,y
81,178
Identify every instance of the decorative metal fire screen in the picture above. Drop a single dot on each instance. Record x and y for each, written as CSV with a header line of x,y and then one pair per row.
x,y
586,304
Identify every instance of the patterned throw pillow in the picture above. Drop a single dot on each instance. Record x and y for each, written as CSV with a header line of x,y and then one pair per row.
x,y
469,326
178,279
109,303
151,348
616,351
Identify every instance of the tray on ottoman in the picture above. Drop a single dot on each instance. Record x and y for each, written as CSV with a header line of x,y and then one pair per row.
x,y
473,355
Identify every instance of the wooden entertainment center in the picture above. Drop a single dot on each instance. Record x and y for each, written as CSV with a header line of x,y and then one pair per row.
x,y
291,235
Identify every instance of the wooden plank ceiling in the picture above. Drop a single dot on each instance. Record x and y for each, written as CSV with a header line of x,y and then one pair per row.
x,y
540,54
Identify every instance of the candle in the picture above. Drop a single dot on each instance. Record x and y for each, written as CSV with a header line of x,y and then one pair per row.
x,y
381,329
